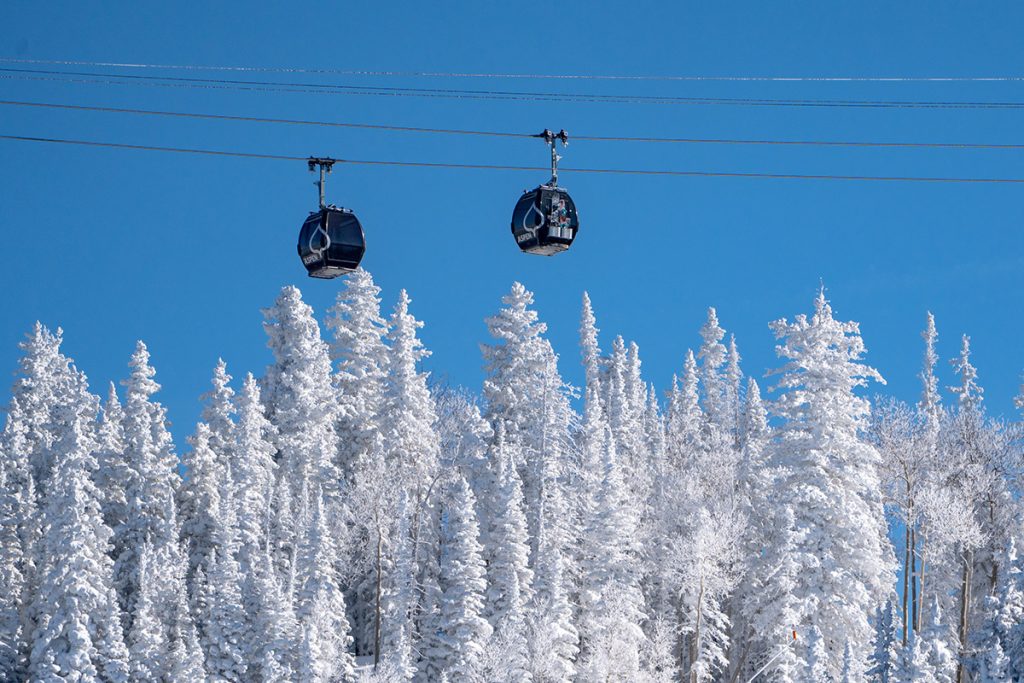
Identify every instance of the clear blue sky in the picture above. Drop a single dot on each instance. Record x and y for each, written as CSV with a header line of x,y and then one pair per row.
x,y
182,251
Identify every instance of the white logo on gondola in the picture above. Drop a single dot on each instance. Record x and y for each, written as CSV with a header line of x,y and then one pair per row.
x,y
326,241
534,209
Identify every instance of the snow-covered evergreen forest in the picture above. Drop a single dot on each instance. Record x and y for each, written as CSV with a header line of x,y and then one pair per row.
x,y
339,517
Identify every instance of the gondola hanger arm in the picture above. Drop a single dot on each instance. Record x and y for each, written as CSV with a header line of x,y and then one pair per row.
x,y
552,139
325,164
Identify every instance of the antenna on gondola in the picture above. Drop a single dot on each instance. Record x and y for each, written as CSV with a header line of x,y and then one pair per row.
x,y
331,240
545,220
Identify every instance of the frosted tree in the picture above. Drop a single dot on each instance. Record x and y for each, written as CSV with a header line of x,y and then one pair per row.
x,y
275,630
733,389
611,609
713,355
524,390
817,667
901,439
936,640
768,605
826,466
219,412
463,629
685,417
253,475
885,657
150,485
359,353
507,554
408,460
400,601
552,641
226,628
323,652
44,381
300,396
509,576
968,392
703,575
411,440
78,631
111,469
200,499
13,639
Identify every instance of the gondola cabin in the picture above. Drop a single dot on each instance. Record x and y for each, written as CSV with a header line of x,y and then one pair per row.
x,y
331,242
545,221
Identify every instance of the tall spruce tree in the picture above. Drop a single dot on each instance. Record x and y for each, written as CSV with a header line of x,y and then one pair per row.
x,y
827,466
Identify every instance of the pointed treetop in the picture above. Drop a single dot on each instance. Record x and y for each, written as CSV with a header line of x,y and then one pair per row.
x,y
930,402
140,382
969,392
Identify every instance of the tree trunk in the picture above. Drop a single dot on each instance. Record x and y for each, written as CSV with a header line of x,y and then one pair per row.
x,y
965,599
376,620
923,573
695,639
914,603
906,579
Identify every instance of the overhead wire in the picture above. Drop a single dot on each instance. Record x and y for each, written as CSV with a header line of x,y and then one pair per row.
x,y
535,76
613,171
506,134
454,93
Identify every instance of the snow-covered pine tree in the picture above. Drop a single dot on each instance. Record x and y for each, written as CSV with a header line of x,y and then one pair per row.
x,y
768,604
275,630
524,390
886,647
359,354
323,653
360,357
712,356
150,486
937,640
226,633
78,632
410,441
398,628
685,417
252,475
199,499
219,413
611,609
463,629
507,554
111,465
45,380
816,669
13,640
827,466
300,398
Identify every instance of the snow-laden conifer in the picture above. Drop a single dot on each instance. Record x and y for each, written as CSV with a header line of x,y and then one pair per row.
x,y
300,396
524,390
611,603
826,466
252,475
78,632
463,629
360,358
151,482
323,652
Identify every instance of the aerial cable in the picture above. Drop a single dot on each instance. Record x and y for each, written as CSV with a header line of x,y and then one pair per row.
x,y
502,167
453,93
534,76
507,134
